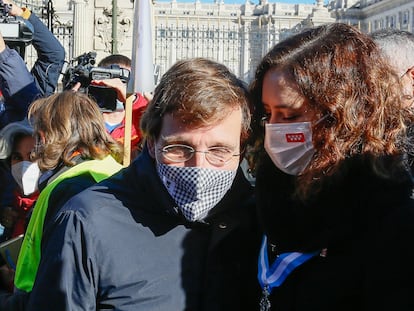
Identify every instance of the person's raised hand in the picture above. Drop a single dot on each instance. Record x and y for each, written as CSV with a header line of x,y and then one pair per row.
x,y
76,87
15,10
114,83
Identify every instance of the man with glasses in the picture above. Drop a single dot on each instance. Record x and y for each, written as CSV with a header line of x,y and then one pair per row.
x,y
176,230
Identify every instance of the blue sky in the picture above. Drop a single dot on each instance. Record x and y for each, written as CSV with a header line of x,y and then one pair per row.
x,y
292,1
256,1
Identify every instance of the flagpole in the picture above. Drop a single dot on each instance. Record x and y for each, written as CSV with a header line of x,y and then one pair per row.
x,y
128,127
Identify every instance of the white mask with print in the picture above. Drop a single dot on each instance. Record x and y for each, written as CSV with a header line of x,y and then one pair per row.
x,y
196,190
289,145
26,174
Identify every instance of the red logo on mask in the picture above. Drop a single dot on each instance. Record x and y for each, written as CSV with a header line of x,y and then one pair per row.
x,y
295,138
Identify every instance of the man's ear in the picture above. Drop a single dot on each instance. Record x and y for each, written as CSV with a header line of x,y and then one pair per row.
x,y
151,147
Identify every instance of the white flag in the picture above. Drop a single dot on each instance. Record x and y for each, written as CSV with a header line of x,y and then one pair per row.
x,y
142,75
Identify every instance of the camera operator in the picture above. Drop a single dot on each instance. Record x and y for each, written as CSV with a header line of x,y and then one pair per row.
x,y
115,119
50,52
19,86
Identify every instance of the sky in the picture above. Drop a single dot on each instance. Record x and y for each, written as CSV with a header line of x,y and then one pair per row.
x,y
293,1
256,1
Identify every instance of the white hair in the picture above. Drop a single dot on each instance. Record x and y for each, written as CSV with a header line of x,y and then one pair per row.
x,y
397,46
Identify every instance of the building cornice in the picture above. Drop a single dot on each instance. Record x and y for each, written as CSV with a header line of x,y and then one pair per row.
x,y
381,7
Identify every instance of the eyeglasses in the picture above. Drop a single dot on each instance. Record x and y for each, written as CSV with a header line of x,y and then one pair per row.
x,y
217,156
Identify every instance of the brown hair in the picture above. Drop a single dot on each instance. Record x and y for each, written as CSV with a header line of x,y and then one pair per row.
x,y
343,76
70,122
199,92
115,59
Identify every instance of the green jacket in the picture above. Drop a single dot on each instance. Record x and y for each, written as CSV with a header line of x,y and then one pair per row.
x,y
30,252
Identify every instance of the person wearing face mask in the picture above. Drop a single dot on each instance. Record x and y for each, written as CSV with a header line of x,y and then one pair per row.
x,y
176,230
16,145
334,191
73,151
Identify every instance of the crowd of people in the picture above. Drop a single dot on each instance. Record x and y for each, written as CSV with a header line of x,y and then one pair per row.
x,y
325,128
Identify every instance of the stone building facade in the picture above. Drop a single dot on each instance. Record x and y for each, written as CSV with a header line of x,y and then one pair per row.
x,y
237,35
373,15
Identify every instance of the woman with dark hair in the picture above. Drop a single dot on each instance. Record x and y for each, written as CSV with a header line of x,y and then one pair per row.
x,y
16,145
333,187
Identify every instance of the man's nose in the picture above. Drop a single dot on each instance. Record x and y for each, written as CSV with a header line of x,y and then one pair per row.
x,y
198,160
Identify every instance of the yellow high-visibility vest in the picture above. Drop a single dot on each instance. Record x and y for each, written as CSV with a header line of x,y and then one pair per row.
x,y
30,252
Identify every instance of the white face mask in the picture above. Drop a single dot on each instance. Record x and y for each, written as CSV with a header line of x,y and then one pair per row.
x,y
195,190
26,174
289,145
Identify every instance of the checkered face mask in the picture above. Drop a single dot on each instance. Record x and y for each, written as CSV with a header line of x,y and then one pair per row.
x,y
195,190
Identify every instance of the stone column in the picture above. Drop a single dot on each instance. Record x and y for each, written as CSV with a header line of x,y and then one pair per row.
x,y
83,27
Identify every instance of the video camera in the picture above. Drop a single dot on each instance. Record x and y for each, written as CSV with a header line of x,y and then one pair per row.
x,y
82,70
15,32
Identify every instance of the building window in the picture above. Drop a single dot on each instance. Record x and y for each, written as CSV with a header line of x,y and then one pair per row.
x,y
406,18
162,33
232,35
209,34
